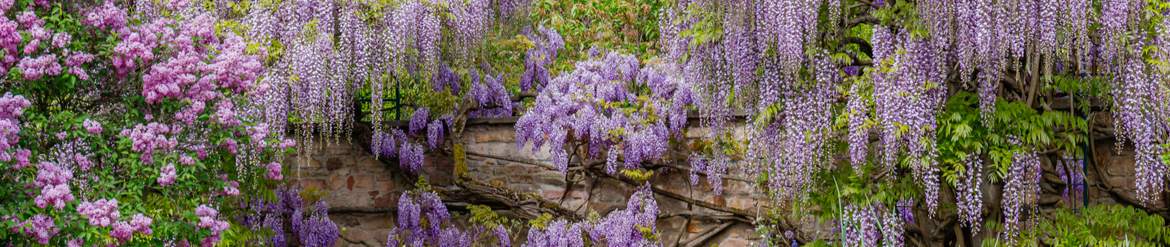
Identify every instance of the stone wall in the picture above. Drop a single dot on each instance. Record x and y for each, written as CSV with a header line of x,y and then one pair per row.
x,y
365,190
355,180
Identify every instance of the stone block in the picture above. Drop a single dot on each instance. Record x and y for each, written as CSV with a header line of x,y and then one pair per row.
x,y
307,162
356,234
360,199
335,199
667,204
385,187
344,220
553,178
338,148
609,190
344,171
374,169
378,237
735,242
672,224
364,181
731,187
377,221
387,199
1121,166
510,170
553,194
370,162
316,183
520,179
524,188
718,201
312,172
336,181
508,135
334,163
486,137
573,203
476,149
741,202
441,179
1120,182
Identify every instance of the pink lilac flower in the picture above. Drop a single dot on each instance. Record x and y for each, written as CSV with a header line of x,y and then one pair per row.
x,y
233,68
225,115
9,40
39,32
50,173
257,134
231,191
273,171
32,46
41,227
83,162
22,159
93,127
141,224
149,138
12,106
74,62
186,159
230,145
207,220
101,212
167,175
165,80
201,152
108,16
56,195
29,19
122,231
139,45
191,112
287,143
35,68
77,242
203,26
60,40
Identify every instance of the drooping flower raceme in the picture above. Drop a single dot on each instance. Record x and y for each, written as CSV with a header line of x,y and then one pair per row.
x,y
640,130
423,220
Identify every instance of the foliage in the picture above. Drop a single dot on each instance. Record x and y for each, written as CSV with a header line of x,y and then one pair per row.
x,y
1104,225
119,135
